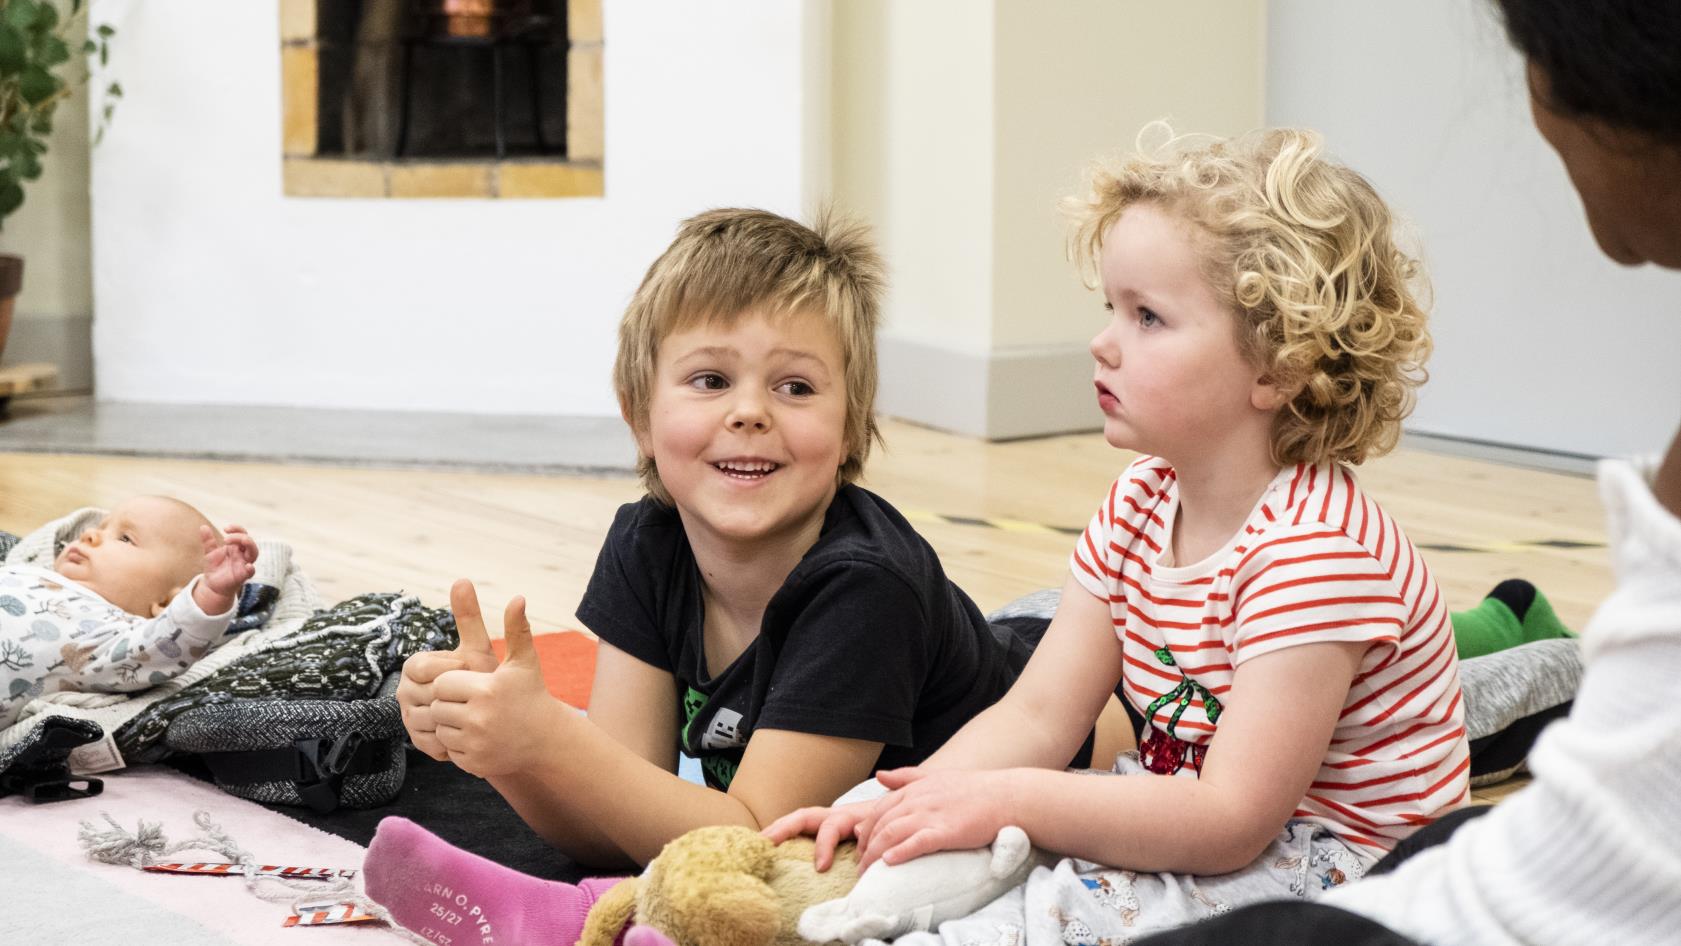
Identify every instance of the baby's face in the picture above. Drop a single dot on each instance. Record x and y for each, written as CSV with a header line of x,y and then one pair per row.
x,y
138,555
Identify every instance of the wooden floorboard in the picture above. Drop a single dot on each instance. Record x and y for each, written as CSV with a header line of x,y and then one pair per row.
x,y
356,530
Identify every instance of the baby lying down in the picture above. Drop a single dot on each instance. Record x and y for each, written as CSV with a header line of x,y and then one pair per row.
x,y
135,600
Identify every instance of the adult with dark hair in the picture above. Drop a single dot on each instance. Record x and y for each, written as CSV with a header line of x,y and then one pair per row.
x,y
1591,850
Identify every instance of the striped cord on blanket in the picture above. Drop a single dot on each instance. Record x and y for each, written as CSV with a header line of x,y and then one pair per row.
x,y
147,846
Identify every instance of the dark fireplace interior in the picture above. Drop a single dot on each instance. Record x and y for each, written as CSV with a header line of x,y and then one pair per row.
x,y
422,78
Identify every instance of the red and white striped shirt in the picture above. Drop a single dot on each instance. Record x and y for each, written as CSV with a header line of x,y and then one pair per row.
x,y
1317,561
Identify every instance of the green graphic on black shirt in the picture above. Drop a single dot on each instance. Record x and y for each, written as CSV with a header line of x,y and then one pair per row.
x,y
720,769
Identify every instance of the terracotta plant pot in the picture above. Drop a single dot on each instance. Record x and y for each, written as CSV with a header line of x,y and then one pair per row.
x,y
11,283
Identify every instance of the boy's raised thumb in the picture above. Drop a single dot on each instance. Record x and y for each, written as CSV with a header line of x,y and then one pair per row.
x,y
516,635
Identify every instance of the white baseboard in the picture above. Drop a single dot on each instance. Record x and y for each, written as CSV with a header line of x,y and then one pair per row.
x,y
1534,458
65,341
1000,395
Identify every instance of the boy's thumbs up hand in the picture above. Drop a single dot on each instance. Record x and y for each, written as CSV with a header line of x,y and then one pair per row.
x,y
416,694
488,723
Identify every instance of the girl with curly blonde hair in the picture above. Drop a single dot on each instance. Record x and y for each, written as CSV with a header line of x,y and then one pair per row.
x,y
1288,651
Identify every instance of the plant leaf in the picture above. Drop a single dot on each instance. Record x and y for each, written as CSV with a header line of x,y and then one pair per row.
x,y
22,14
14,52
106,31
11,195
47,18
51,51
29,165
36,84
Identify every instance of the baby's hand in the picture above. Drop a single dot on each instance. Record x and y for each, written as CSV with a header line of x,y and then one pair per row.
x,y
227,566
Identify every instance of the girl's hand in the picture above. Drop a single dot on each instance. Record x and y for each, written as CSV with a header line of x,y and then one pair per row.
x,y
830,826
930,811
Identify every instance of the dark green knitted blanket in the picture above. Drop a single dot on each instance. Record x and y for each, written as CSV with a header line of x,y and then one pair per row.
x,y
341,653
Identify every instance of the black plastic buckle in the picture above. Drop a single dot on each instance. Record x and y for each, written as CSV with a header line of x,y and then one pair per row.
x,y
343,752
43,787
321,766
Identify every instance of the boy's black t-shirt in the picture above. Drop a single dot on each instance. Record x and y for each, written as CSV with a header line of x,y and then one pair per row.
x,y
866,639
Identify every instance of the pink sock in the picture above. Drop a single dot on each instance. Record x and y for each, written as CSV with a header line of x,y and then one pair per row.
x,y
643,935
448,895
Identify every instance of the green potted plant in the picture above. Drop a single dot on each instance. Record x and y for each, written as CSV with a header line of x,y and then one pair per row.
x,y
39,69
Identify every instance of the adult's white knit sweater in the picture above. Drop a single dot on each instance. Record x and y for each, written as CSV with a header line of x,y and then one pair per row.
x,y
1590,852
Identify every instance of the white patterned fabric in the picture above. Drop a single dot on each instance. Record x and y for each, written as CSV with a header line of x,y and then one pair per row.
x,y
58,636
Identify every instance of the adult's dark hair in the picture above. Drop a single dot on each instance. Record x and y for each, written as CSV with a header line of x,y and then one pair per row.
x,y
1618,61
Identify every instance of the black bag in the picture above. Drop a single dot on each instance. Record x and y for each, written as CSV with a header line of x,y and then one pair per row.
x,y
324,754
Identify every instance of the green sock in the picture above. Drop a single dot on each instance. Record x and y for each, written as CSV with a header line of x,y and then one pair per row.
x,y
1515,612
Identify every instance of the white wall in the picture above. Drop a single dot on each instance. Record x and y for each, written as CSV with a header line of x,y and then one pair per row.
x,y
914,155
213,287
1076,80
958,126
1540,341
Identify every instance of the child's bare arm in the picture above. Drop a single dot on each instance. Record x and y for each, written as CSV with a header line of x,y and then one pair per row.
x,y
1040,722
630,819
638,807
636,703
1278,721
783,770
631,701
602,788
1051,708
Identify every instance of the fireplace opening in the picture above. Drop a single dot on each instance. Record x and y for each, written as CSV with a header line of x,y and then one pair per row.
x,y
442,78
442,98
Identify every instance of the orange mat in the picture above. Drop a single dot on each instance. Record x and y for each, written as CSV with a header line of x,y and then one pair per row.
x,y
568,662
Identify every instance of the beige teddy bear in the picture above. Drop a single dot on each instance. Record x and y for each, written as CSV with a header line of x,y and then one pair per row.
x,y
723,886
730,886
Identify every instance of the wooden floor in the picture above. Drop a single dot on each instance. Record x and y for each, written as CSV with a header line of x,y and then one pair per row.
x,y
357,530
997,513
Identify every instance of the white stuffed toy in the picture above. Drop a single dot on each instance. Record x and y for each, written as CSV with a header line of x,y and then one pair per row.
x,y
893,899
890,900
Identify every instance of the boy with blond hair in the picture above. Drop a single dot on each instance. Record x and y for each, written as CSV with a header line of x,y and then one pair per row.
x,y
757,609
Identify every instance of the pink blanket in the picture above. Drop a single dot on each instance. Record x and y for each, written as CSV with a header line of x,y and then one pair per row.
x,y
56,894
